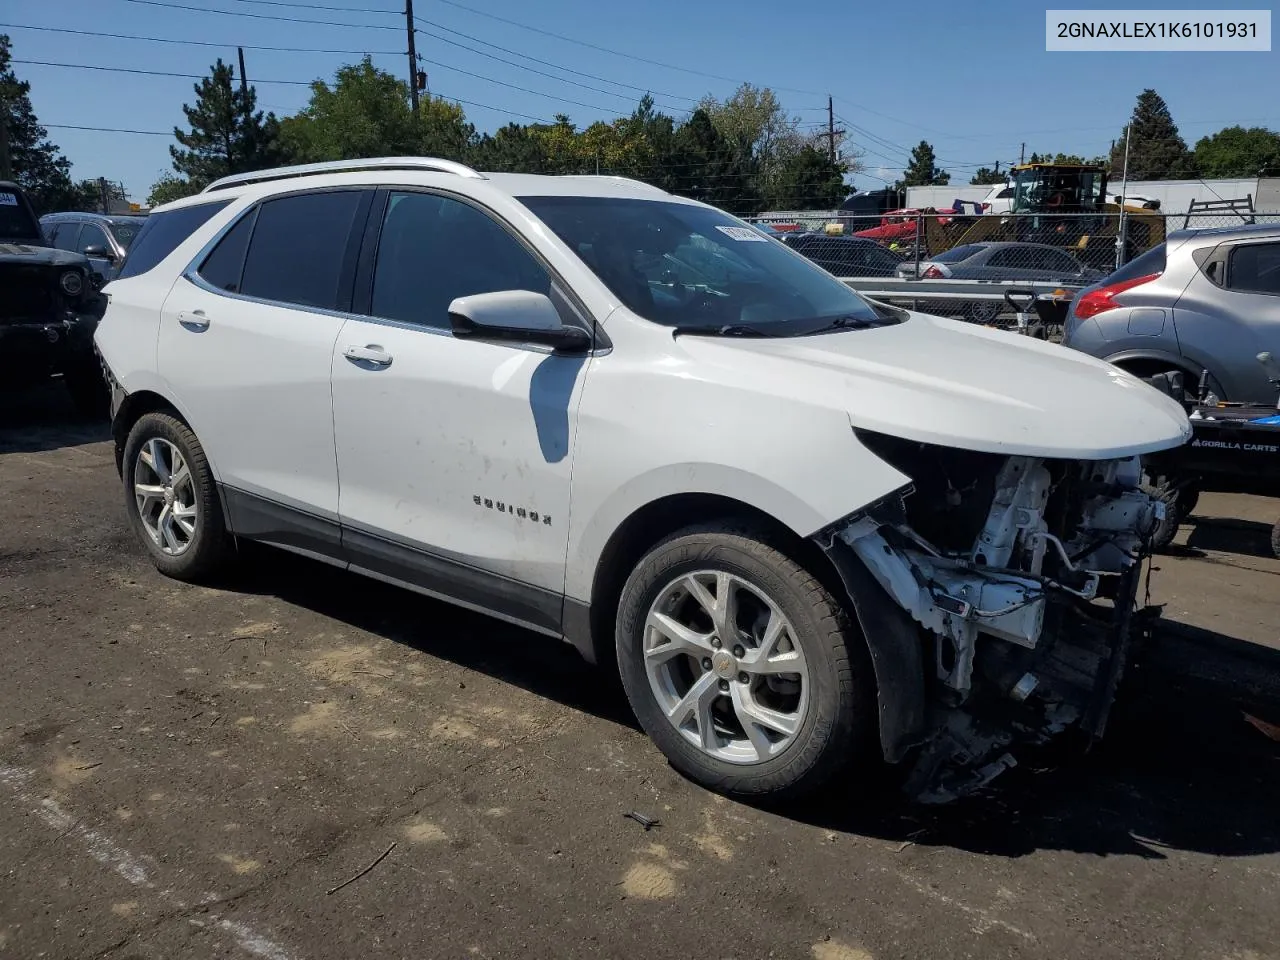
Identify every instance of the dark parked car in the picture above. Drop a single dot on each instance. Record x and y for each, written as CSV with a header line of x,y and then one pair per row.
x,y
50,304
845,256
1003,261
103,238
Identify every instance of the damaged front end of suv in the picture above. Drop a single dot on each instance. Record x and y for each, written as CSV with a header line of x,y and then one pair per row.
x,y
998,596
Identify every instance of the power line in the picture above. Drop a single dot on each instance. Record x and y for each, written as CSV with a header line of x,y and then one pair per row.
x,y
543,73
148,73
199,43
545,63
71,126
263,16
307,83
513,86
318,6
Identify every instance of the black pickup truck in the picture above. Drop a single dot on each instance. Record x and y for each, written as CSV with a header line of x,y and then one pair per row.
x,y
50,305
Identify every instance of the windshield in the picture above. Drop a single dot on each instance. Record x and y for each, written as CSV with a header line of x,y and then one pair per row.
x,y
699,269
126,231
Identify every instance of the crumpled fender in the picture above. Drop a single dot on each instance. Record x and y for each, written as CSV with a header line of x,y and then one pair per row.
x,y
896,657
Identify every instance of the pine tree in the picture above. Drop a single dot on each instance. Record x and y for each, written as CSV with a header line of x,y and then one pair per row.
x,y
1156,149
228,133
923,170
35,163
985,176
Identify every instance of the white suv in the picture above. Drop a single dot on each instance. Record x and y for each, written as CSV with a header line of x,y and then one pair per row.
x,y
813,532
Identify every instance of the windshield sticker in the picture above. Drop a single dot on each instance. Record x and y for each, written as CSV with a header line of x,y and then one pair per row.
x,y
743,233
8,199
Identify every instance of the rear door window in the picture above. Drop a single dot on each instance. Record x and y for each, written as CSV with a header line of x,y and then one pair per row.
x,y
1255,268
225,263
298,247
163,233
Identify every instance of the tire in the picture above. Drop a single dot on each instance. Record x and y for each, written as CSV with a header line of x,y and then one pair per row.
x,y
835,717
206,548
1175,510
1275,540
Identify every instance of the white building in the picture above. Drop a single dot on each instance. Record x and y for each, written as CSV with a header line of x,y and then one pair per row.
x,y
1175,196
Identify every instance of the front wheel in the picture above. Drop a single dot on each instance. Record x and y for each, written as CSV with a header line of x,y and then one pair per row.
x,y
742,667
172,499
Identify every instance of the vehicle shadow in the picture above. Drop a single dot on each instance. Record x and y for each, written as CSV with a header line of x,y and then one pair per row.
x,y
44,418
1180,767
1245,537
540,664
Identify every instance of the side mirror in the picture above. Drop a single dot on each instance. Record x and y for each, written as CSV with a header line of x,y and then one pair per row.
x,y
518,315
97,250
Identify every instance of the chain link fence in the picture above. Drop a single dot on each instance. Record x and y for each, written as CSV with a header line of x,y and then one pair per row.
x,y
1069,250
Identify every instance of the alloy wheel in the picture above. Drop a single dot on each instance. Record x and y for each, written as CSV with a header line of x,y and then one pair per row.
x,y
166,496
725,667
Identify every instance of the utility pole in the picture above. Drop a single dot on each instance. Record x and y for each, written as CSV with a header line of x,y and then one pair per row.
x,y
1022,154
413,56
6,164
831,131
1124,198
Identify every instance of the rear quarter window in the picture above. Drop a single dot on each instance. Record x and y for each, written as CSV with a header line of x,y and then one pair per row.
x,y
163,233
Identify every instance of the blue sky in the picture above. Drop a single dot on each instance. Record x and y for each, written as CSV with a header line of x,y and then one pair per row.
x,y
973,79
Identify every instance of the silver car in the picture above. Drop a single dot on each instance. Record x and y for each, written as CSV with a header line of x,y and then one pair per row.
x,y
1204,300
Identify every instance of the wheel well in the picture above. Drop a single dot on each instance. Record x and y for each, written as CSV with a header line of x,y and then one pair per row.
x,y
134,408
654,522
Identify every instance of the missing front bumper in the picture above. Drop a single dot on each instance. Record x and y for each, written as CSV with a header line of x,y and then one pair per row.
x,y
1012,640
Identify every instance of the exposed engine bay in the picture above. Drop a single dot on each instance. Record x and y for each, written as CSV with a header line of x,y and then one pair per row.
x,y
1012,583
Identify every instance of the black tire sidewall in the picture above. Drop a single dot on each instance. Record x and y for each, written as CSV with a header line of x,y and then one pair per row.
x,y
837,727
209,543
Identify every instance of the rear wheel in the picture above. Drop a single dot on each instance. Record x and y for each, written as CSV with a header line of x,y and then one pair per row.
x,y
1275,539
172,499
742,667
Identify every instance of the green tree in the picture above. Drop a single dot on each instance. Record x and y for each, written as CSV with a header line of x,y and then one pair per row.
x,y
1156,149
1239,152
923,170
515,148
35,163
228,133
988,177
365,113
710,168
808,180
169,187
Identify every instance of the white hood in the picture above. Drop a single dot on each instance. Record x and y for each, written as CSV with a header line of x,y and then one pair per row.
x,y
958,385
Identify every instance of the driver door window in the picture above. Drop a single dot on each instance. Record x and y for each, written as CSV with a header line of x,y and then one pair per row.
x,y
92,235
434,249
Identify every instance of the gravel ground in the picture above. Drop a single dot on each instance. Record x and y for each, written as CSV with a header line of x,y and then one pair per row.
x,y
195,772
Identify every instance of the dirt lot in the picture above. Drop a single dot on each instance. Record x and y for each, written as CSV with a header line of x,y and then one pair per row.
x,y
192,772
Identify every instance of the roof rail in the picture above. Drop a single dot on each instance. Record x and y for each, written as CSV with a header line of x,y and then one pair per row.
x,y
345,166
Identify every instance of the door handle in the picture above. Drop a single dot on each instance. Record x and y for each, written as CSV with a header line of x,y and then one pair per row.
x,y
372,353
194,320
